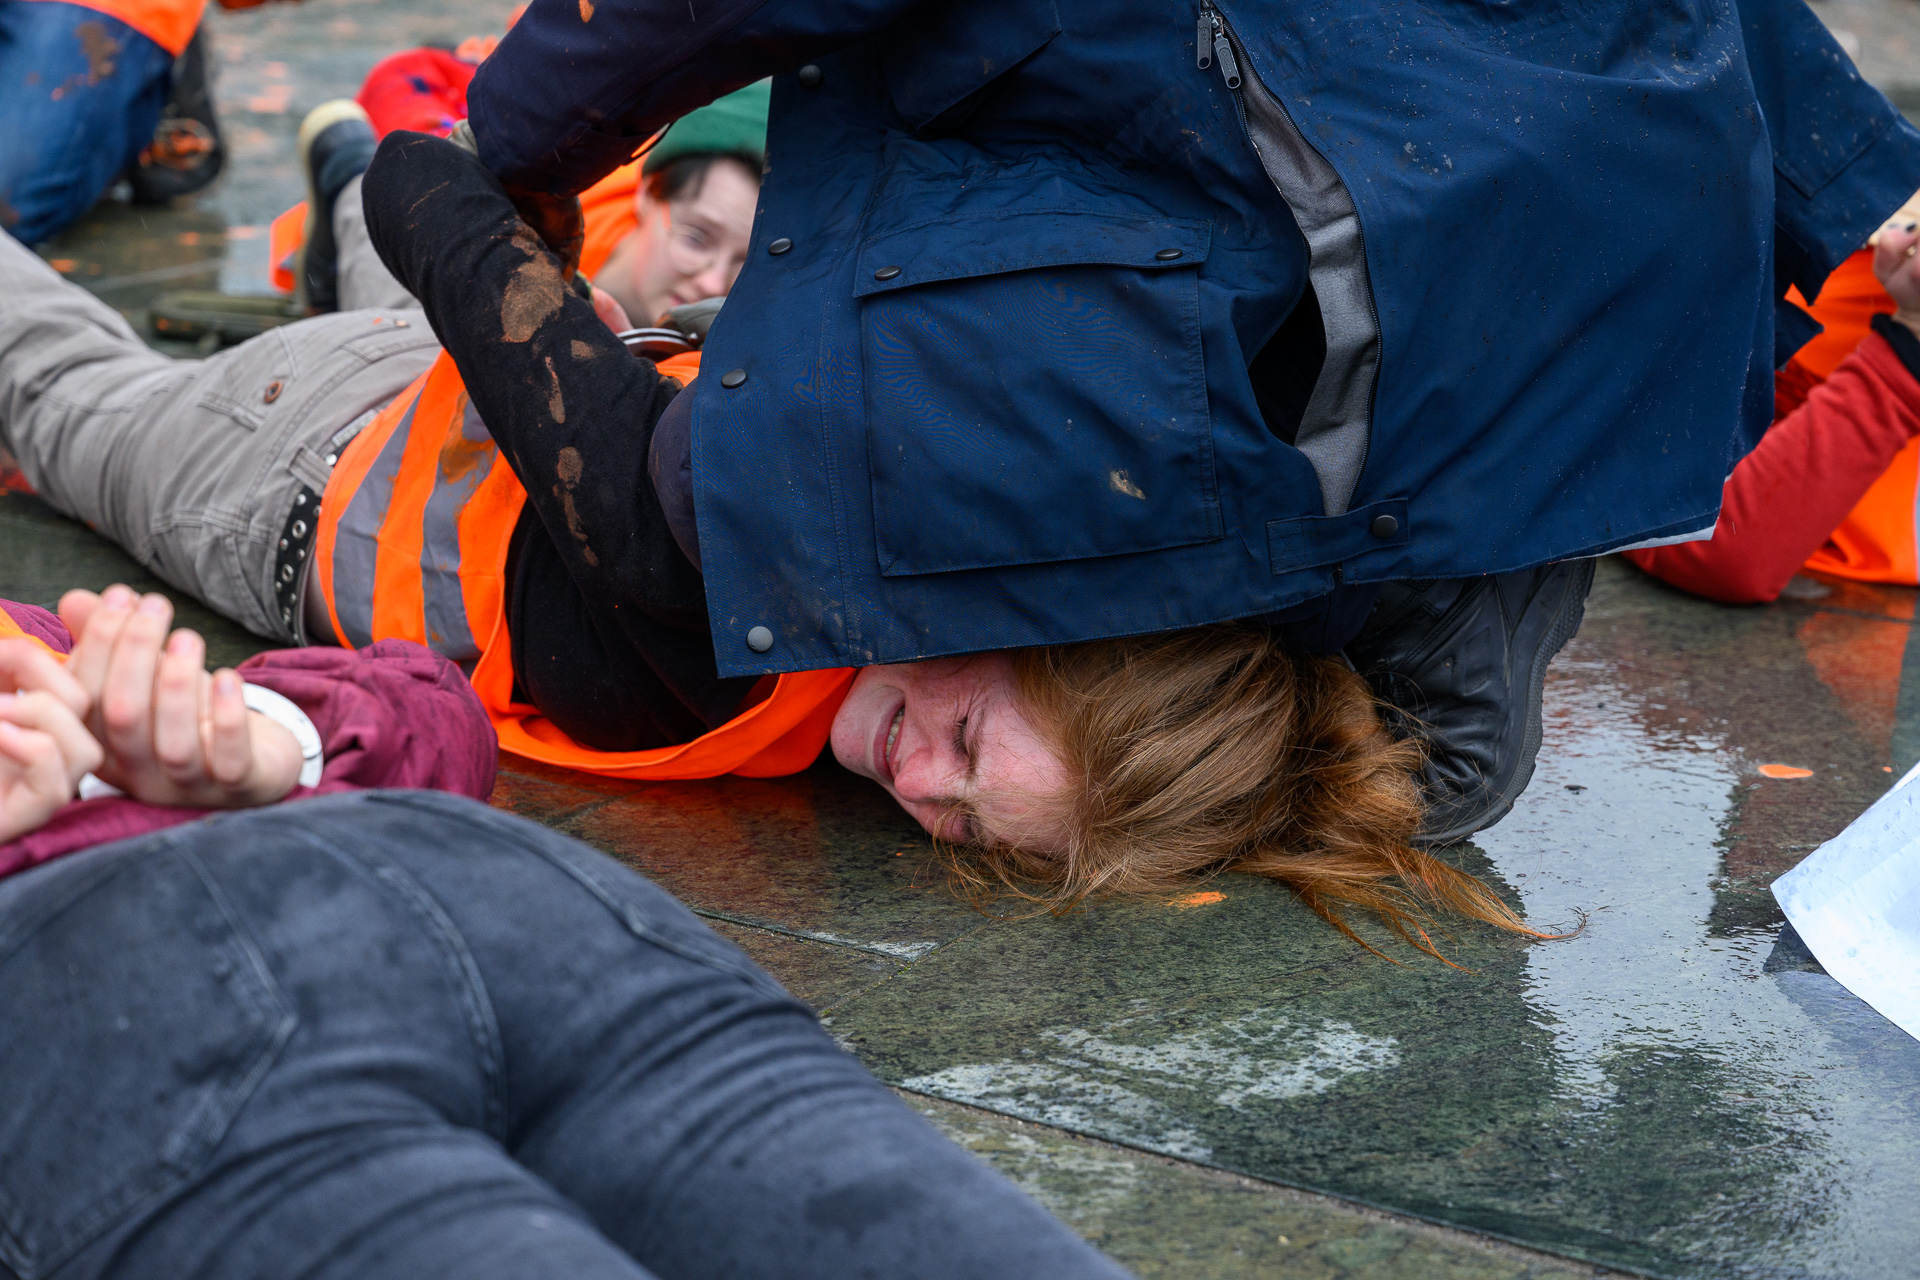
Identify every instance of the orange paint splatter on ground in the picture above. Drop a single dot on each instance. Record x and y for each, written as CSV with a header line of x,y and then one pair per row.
x,y
1198,900
188,237
1784,771
62,265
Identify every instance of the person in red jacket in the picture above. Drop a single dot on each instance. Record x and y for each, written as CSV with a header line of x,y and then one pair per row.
x,y
1811,490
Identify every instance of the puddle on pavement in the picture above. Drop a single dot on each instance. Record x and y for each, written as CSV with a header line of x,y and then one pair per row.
x,y
1642,1095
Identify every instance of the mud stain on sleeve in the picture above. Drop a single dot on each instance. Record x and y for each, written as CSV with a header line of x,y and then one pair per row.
x,y
568,468
533,295
583,350
556,405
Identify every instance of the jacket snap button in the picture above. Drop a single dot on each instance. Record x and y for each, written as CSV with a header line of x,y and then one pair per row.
x,y
1383,526
733,378
759,639
272,392
810,77
779,246
886,273
1167,255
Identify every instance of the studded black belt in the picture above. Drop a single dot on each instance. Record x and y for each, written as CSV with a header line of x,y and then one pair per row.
x,y
290,558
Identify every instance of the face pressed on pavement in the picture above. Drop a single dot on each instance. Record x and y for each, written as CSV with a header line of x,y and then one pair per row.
x,y
949,740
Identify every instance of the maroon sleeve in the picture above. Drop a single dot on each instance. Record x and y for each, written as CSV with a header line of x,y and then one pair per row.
x,y
395,714
40,624
1787,497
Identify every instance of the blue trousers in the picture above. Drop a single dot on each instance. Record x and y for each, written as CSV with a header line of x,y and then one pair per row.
x,y
80,94
400,1035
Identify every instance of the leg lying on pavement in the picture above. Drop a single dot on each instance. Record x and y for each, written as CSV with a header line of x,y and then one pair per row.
x,y
192,466
407,1036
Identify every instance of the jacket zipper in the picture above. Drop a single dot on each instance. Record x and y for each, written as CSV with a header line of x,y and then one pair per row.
x,y
1214,42
1211,45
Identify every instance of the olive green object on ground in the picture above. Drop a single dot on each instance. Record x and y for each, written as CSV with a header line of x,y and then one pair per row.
x,y
197,315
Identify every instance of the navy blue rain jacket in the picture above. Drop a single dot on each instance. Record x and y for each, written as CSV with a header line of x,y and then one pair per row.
x,y
1078,318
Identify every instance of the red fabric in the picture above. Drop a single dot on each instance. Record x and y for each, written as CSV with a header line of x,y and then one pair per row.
x,y
395,714
422,90
1785,498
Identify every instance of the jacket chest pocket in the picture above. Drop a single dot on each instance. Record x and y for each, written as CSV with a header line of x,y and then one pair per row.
x,y
1035,390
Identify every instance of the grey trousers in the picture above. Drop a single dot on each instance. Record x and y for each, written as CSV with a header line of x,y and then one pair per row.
x,y
192,466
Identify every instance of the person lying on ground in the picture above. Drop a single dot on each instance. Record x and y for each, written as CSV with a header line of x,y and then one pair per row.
x,y
1071,322
1823,490
102,700
520,504
666,231
96,90
393,1034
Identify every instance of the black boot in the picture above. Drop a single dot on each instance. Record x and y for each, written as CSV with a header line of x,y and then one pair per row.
x,y
336,145
187,151
1462,663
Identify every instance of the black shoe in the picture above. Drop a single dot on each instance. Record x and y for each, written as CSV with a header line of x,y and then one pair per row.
x,y
336,146
187,151
1462,663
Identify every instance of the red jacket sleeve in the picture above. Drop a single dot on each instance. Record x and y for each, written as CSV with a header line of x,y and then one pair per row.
x,y
1785,498
395,714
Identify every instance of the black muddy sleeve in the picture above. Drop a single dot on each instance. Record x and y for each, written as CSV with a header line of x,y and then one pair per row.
x,y
574,413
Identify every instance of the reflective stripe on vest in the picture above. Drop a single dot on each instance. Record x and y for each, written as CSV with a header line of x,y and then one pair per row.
x,y
412,545
415,522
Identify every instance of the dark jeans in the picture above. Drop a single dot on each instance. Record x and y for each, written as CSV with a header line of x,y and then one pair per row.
x,y
80,94
397,1034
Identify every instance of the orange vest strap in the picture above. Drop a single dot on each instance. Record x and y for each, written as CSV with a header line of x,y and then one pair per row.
x,y
285,235
782,735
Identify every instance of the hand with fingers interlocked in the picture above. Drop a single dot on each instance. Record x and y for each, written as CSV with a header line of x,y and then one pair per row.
x,y
171,733
135,706
45,748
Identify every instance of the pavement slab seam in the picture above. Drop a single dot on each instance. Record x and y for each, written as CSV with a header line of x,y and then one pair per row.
x,y
1531,1260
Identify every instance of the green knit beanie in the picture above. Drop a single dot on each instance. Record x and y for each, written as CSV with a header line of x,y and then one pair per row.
x,y
735,125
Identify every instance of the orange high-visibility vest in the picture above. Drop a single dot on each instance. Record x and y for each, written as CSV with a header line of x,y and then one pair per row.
x,y
412,544
1877,540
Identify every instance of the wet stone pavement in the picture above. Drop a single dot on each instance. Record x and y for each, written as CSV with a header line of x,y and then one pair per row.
x,y
1217,1084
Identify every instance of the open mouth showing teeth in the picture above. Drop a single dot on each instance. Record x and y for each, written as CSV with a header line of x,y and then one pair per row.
x,y
893,733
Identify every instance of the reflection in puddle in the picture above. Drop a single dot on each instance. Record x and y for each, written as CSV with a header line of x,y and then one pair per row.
x,y
1100,1080
1626,820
